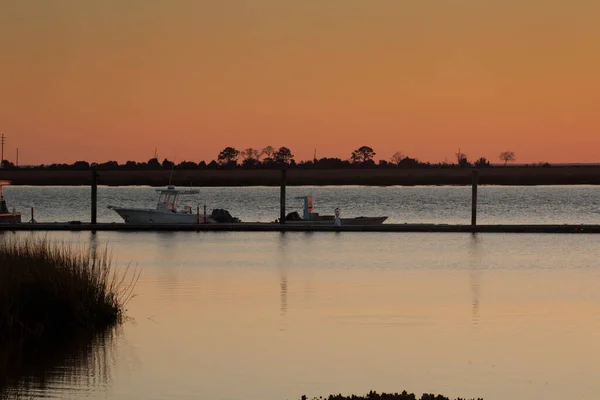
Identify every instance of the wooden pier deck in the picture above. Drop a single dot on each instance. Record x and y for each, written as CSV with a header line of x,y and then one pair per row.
x,y
274,227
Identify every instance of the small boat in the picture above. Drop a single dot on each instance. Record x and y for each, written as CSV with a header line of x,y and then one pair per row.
x,y
166,211
312,218
6,216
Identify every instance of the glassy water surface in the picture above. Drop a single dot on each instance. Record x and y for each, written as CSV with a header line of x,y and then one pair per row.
x,y
420,204
274,316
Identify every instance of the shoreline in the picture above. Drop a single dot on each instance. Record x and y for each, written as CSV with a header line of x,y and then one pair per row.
x,y
513,176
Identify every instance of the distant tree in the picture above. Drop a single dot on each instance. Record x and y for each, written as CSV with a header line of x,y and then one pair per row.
x,y
81,165
396,158
212,165
283,155
250,158
131,165
109,165
250,163
228,156
7,164
166,164
330,163
268,152
250,153
383,163
153,163
507,156
461,159
362,155
187,165
482,162
202,164
408,162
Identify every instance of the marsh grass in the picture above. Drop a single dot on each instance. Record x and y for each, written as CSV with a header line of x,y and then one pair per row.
x,y
53,294
386,396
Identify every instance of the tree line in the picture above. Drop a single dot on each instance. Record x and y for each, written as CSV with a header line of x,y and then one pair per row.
x,y
271,158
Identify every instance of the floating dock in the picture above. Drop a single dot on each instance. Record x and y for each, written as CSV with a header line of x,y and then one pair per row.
x,y
275,227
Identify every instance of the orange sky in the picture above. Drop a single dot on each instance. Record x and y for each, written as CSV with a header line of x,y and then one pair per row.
x,y
113,79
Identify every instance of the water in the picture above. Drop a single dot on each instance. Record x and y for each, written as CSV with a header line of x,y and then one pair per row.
x,y
436,204
273,316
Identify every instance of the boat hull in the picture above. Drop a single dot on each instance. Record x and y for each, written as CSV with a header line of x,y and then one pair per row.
x,y
10,218
148,216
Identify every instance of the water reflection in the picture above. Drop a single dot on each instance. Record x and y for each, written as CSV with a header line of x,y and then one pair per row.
x,y
82,362
282,266
475,276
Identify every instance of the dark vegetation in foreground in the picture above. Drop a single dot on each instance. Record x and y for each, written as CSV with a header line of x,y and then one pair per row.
x,y
54,301
512,175
386,396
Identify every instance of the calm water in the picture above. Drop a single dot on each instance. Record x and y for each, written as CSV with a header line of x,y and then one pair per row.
x,y
441,204
274,316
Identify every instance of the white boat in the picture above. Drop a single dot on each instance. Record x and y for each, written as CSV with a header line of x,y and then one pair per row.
x,y
166,211
312,218
6,216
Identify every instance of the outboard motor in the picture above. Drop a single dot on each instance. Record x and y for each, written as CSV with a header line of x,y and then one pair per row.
x,y
3,208
223,216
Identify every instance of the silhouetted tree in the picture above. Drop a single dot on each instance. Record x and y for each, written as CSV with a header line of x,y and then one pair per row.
x,y
482,162
153,163
250,158
461,159
212,165
187,165
362,155
130,165
283,155
408,162
109,165
268,152
228,156
7,164
81,165
250,153
396,157
166,164
507,156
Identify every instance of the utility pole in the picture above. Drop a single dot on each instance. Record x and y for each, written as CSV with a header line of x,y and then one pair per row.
x,y
17,156
2,141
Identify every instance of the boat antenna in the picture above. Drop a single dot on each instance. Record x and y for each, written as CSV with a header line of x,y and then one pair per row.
x,y
172,168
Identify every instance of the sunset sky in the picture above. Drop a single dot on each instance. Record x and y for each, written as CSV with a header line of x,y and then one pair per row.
x,y
113,79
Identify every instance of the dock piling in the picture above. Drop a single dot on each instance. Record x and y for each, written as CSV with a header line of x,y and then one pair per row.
x,y
94,195
282,197
475,182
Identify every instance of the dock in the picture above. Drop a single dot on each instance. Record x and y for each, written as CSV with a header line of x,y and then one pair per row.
x,y
276,227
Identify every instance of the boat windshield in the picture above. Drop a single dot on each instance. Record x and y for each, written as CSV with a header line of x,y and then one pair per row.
x,y
167,198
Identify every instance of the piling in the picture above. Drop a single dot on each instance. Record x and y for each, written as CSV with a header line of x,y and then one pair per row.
x,y
94,195
475,182
282,198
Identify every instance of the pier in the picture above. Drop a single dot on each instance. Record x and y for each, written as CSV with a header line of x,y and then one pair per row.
x,y
281,225
276,227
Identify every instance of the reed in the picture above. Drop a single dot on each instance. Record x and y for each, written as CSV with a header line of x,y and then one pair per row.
x,y
386,396
51,292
